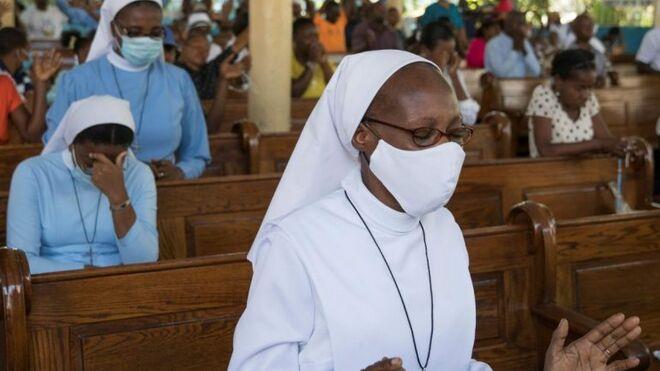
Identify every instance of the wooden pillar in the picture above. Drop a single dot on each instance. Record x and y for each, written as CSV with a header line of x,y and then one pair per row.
x,y
8,19
269,103
657,13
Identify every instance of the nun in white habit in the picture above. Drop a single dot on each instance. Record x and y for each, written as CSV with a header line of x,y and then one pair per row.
x,y
357,258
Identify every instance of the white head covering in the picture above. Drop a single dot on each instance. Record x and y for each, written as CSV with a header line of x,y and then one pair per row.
x,y
324,154
85,113
197,18
103,39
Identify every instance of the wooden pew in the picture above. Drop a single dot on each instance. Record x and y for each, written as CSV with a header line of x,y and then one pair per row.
x,y
193,214
236,110
181,314
248,151
177,315
597,266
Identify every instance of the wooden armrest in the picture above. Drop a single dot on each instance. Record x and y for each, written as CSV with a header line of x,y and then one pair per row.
x,y
16,291
580,325
250,135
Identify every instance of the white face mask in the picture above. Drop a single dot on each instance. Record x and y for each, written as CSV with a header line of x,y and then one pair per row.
x,y
421,181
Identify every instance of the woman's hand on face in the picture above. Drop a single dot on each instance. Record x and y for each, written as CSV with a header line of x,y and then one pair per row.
x,y
165,170
387,364
453,64
109,177
592,351
46,66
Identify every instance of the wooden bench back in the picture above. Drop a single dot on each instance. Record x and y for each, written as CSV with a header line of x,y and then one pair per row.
x,y
191,214
181,314
163,316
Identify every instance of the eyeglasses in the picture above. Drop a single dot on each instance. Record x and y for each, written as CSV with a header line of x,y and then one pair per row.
x,y
156,32
426,136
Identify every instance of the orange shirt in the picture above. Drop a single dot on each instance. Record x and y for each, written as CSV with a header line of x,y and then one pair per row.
x,y
10,100
332,35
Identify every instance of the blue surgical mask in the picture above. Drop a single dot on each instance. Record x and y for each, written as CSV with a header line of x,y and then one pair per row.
x,y
141,51
27,63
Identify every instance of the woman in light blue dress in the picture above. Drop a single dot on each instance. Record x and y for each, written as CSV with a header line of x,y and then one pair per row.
x,y
86,201
126,61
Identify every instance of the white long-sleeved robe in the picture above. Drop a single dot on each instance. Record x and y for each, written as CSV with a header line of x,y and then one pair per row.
x,y
322,299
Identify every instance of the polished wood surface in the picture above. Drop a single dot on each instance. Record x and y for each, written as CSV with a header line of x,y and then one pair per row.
x,y
181,314
600,265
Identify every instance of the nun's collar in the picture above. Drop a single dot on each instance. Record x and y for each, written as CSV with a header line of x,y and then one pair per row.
x,y
121,63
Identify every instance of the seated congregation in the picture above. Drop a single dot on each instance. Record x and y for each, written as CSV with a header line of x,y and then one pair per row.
x,y
441,200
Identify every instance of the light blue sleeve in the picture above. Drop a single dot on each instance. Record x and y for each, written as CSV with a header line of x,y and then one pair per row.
x,y
24,222
531,62
502,62
64,96
193,153
140,244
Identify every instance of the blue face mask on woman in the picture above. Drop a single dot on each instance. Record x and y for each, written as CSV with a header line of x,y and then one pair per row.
x,y
141,51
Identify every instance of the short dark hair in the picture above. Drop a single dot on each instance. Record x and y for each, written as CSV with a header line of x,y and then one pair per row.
x,y
434,32
110,134
11,39
569,61
137,4
300,23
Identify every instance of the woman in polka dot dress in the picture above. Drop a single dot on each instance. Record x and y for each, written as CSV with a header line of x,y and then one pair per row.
x,y
564,117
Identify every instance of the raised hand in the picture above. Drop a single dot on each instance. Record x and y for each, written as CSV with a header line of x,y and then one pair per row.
x,y
46,66
387,364
109,177
230,70
592,351
317,52
453,63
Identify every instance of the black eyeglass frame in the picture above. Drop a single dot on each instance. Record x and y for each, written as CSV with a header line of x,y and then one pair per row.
x,y
415,132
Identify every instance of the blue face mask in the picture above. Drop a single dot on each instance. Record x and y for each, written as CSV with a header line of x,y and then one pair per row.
x,y
27,63
141,51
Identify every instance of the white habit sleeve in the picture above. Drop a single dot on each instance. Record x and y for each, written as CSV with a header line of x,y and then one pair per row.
x,y
279,317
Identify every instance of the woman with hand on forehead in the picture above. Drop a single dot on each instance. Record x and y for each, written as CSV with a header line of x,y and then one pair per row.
x,y
358,264
126,61
86,201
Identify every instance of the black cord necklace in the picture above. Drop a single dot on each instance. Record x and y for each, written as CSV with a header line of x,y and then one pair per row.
x,y
135,146
403,303
82,219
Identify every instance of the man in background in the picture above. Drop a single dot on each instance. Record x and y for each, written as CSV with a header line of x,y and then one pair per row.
x,y
43,21
510,54
373,33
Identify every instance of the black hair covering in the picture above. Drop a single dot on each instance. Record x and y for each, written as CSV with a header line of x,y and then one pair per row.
x,y
11,39
111,134
569,61
435,31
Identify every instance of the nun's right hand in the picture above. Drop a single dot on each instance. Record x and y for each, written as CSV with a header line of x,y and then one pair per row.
x,y
387,364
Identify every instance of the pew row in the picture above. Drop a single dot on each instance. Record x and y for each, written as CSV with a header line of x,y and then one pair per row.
x,y
597,266
248,151
193,214
181,314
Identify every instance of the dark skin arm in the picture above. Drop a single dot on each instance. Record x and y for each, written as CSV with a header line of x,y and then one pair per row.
x,y
602,142
646,68
299,85
227,71
109,178
31,126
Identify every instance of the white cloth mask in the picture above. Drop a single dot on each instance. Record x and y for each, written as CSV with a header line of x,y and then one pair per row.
x,y
421,181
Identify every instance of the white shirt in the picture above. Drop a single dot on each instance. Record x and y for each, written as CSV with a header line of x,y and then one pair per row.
x,y
469,108
322,299
545,103
43,24
649,50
